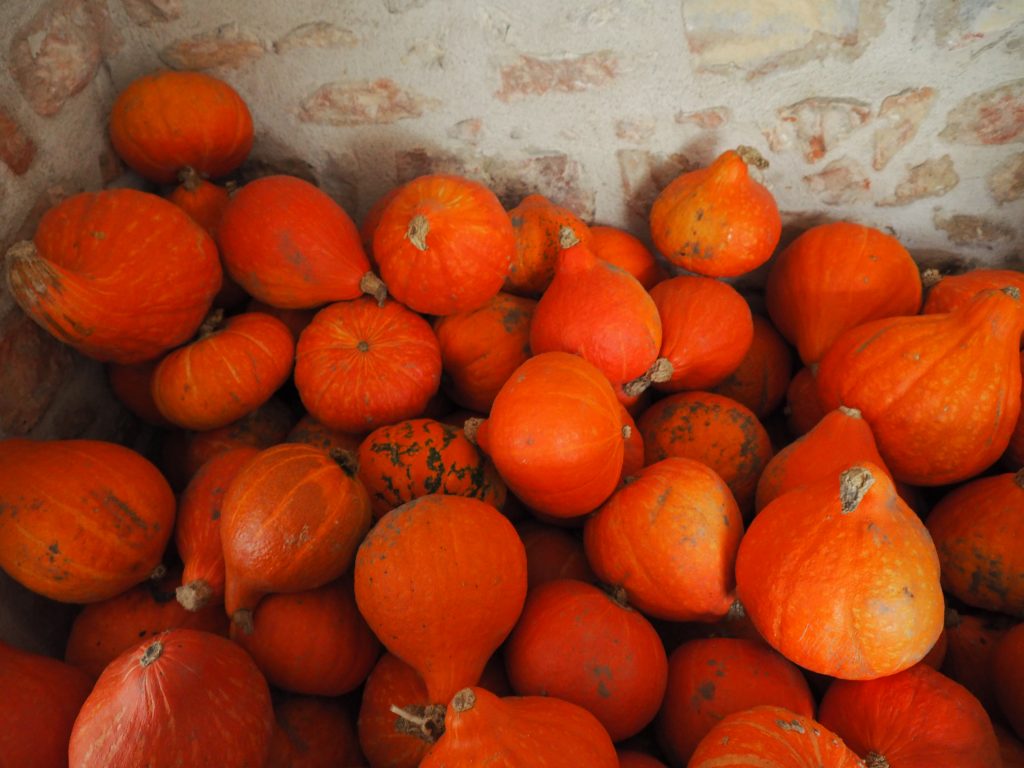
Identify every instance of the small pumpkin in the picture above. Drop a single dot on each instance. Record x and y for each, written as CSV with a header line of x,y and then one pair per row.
x,y
537,224
168,120
131,385
717,221
383,737
1008,675
80,520
183,697
971,640
444,244
626,251
948,292
314,732
311,432
762,378
803,407
552,553
204,201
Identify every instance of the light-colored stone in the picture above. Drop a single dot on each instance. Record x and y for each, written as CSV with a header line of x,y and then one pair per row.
x,y
841,182
401,6
644,174
932,178
534,76
962,23
636,130
708,119
16,148
33,367
316,34
1006,182
363,102
817,125
970,229
229,46
900,116
417,161
992,116
468,131
148,12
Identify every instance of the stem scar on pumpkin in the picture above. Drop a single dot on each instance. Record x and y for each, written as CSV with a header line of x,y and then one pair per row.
x,y
152,653
854,484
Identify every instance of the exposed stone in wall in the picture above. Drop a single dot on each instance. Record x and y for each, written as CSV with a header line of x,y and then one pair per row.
x,y
841,182
993,116
365,102
817,125
316,34
968,229
1006,182
16,148
960,23
228,46
33,367
147,12
713,117
57,53
635,130
534,76
932,178
644,174
900,116
469,130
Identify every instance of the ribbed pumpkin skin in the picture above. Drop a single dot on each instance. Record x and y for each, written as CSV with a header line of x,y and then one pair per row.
x,y
434,594
444,244
80,520
167,120
197,528
626,251
103,631
941,392
291,520
90,281
712,429
41,699
761,379
953,291
577,643
841,577
403,461
201,702
536,223
333,653
1008,674
840,440
834,277
669,539
314,732
359,366
917,718
290,245
707,328
978,530
709,679
716,221
772,737
482,729
481,348
555,435
221,377
391,682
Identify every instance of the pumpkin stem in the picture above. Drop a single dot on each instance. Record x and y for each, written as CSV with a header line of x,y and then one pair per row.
x,y
28,275
211,324
854,483
751,156
736,611
373,285
464,700
930,278
660,371
195,595
1012,291
627,431
567,238
419,226
347,460
1019,478
423,722
875,760
853,413
243,618
152,653
470,428
189,178
617,594
159,572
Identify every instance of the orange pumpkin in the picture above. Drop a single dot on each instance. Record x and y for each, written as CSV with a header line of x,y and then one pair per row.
x,y
627,252
393,684
952,291
629,758
202,200
537,224
313,732
762,378
295,319
803,408
311,432
131,385
552,553
1014,455
1008,674
971,643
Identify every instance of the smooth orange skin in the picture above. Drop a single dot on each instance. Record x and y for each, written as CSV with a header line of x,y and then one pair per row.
x,y
202,702
633,448
391,682
576,643
772,737
80,520
855,594
218,379
295,319
481,348
707,329
712,429
167,120
41,699
536,223
441,581
333,653
834,277
552,553
290,245
91,283
840,440
359,365
917,718
204,202
978,530
712,678
197,528
942,393
521,730
1008,675
314,732
761,379
598,311
103,631
555,435
953,291
291,520
468,246
716,221
804,408
669,538
627,252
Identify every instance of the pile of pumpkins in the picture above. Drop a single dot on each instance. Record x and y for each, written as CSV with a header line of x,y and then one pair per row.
x,y
465,486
